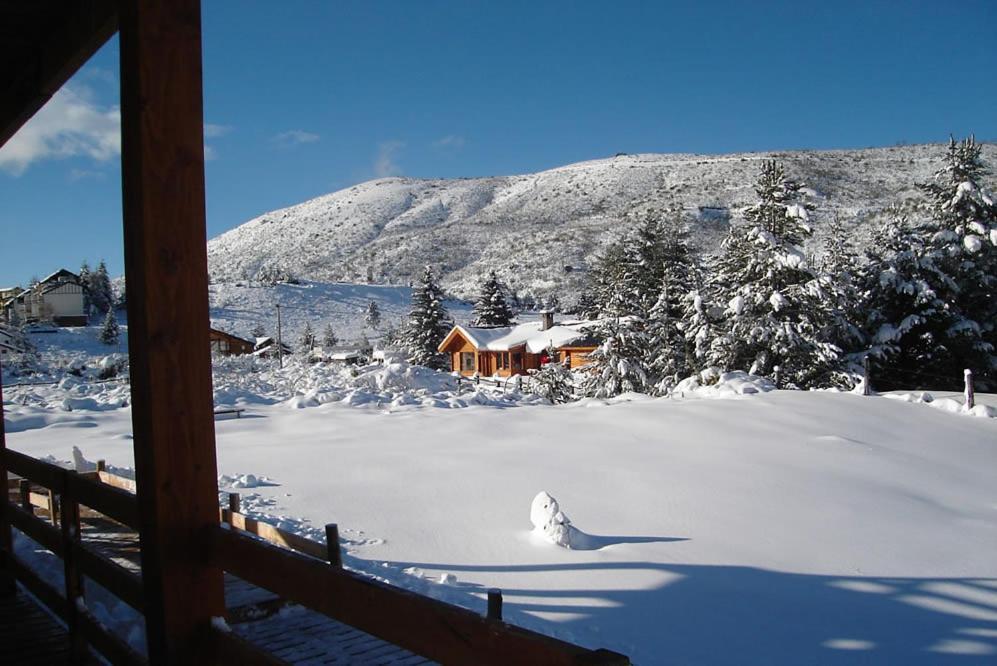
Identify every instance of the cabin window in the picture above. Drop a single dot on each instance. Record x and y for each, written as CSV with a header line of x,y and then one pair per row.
x,y
467,361
517,361
504,360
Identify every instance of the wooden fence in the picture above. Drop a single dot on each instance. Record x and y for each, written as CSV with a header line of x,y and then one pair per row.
x,y
296,569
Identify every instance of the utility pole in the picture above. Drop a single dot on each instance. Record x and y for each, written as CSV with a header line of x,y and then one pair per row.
x,y
280,342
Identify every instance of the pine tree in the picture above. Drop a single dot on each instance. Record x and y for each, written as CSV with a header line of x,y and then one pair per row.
x,y
908,320
962,232
428,324
491,309
667,350
771,295
619,364
99,288
307,340
85,277
372,319
552,381
329,339
109,332
258,331
839,278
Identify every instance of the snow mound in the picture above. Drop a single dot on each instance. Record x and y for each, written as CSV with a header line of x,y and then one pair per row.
x,y
549,521
950,405
244,481
712,383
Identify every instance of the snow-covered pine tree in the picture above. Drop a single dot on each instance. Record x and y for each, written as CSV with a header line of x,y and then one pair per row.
x,y
619,364
907,320
99,288
666,350
109,332
258,331
586,307
85,277
772,297
552,381
428,323
839,275
962,228
307,340
372,318
329,339
491,309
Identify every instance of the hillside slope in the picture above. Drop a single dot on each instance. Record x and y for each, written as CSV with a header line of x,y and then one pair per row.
x,y
541,231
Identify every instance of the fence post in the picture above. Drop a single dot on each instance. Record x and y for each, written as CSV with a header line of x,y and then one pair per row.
x,y
775,373
333,553
70,520
970,397
24,490
866,386
234,504
101,467
494,604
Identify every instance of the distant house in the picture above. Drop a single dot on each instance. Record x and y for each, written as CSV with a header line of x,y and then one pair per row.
x,y
514,350
267,346
59,298
228,344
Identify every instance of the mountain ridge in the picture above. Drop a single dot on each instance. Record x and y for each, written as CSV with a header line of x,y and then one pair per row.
x,y
540,231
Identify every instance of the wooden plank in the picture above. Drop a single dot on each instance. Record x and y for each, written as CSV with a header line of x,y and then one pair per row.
x,y
226,647
116,503
432,628
167,274
43,473
116,579
117,481
72,578
107,643
8,586
273,534
43,591
41,531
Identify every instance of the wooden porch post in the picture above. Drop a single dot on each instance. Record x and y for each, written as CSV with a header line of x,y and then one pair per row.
x,y
166,272
7,586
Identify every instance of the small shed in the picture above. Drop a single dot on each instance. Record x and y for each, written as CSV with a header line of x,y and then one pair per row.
x,y
228,344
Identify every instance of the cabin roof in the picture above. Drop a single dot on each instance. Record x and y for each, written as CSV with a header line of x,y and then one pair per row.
x,y
527,335
62,274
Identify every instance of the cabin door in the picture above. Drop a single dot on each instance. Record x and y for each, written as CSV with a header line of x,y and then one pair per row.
x,y
483,365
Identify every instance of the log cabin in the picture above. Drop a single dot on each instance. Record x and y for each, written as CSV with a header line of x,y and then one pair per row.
x,y
515,350
228,344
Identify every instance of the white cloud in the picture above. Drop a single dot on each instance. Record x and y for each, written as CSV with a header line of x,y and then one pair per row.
x,y
294,138
209,153
450,141
69,125
84,174
385,164
211,130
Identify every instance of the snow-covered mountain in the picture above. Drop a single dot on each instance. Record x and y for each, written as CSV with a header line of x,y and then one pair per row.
x,y
540,231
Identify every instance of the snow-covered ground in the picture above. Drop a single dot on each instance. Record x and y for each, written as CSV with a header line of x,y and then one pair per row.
x,y
755,527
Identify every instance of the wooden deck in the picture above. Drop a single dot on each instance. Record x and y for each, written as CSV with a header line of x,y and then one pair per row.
x,y
289,632
29,635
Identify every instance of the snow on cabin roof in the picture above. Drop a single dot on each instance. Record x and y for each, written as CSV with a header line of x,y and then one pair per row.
x,y
61,273
529,335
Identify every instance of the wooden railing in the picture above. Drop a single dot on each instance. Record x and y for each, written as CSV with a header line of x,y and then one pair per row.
x,y
296,569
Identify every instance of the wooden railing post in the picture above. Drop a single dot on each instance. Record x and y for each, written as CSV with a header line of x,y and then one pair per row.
x,y
970,396
7,580
866,386
333,553
24,490
70,520
101,467
494,604
234,504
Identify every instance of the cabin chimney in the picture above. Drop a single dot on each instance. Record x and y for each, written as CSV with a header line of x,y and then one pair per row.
x,y
546,320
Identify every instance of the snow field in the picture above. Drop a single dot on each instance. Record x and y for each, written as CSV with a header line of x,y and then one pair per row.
x,y
775,527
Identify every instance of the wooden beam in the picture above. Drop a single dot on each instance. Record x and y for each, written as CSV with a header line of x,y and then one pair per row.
x,y
61,40
7,584
167,273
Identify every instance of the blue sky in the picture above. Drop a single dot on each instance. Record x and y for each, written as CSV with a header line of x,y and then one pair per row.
x,y
304,98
